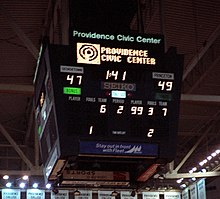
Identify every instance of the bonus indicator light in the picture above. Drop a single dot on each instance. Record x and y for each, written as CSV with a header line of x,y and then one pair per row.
x,y
163,96
71,91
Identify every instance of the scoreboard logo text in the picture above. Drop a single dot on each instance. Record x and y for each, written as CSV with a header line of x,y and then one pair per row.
x,y
88,53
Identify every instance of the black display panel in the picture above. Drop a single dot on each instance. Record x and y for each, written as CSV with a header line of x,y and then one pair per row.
x,y
116,88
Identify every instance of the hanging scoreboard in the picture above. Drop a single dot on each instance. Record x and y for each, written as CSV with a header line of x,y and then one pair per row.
x,y
111,95
115,89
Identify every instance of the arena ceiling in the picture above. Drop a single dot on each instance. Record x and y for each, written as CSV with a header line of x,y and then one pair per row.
x,y
192,26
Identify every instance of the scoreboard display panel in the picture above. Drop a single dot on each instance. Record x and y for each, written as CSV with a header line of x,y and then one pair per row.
x,y
111,89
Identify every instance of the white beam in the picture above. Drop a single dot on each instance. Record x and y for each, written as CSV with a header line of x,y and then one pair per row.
x,y
200,98
214,63
147,27
37,171
22,36
191,150
198,56
65,21
17,89
191,175
16,147
170,167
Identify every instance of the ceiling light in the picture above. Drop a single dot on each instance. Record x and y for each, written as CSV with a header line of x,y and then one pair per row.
x,y
22,185
183,186
203,170
25,177
5,177
217,151
48,185
8,184
209,157
194,168
193,179
214,154
35,185
161,177
204,161
179,181
201,163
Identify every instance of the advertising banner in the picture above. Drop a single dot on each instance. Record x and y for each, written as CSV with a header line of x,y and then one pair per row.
x,y
172,195
114,148
105,195
185,193
62,194
35,194
84,194
127,195
150,195
11,194
96,175
193,191
201,189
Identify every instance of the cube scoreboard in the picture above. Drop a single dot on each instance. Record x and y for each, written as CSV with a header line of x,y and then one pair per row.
x,y
108,95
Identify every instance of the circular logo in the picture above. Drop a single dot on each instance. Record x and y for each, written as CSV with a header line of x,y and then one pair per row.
x,y
88,52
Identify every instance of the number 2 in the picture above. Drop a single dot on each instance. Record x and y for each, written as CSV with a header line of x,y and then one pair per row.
x,y
120,109
150,133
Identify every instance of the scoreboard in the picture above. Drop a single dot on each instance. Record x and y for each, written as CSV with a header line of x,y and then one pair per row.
x,y
110,95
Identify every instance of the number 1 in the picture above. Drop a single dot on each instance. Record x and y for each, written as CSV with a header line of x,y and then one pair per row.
x,y
124,76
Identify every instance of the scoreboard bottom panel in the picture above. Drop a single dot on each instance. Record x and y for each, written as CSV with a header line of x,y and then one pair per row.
x,y
114,121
